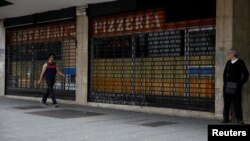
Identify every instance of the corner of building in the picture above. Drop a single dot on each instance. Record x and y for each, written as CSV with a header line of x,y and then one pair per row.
x,y
82,56
241,41
2,59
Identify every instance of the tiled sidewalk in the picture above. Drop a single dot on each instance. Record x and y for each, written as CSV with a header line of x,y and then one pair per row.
x,y
22,120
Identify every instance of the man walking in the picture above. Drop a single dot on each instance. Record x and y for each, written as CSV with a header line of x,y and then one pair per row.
x,y
235,75
49,71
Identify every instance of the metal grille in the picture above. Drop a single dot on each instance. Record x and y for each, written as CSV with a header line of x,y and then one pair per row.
x,y
138,58
27,50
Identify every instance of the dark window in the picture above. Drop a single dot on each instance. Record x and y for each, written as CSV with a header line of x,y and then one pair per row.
x,y
202,42
113,47
141,45
166,43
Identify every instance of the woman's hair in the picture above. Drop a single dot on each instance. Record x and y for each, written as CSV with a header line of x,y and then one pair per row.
x,y
235,52
51,54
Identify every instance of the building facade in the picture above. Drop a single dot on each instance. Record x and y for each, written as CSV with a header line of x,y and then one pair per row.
x,y
162,57
147,58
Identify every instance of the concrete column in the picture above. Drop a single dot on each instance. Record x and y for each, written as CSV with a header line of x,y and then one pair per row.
x,y
233,31
82,57
224,42
241,41
2,59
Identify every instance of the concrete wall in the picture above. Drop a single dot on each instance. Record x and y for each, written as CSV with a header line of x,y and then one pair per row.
x,y
241,41
81,57
2,58
224,42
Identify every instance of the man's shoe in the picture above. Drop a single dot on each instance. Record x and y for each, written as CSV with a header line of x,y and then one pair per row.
x,y
44,103
240,122
55,105
225,121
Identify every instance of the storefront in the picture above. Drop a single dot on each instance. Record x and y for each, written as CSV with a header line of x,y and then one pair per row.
x,y
158,54
27,47
137,55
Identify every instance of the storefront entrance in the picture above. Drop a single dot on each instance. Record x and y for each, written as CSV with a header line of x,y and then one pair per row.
x,y
27,50
141,58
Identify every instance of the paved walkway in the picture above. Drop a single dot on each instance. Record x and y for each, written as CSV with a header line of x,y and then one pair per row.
x,y
22,120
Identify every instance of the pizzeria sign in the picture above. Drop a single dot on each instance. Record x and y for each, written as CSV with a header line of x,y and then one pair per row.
x,y
129,23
